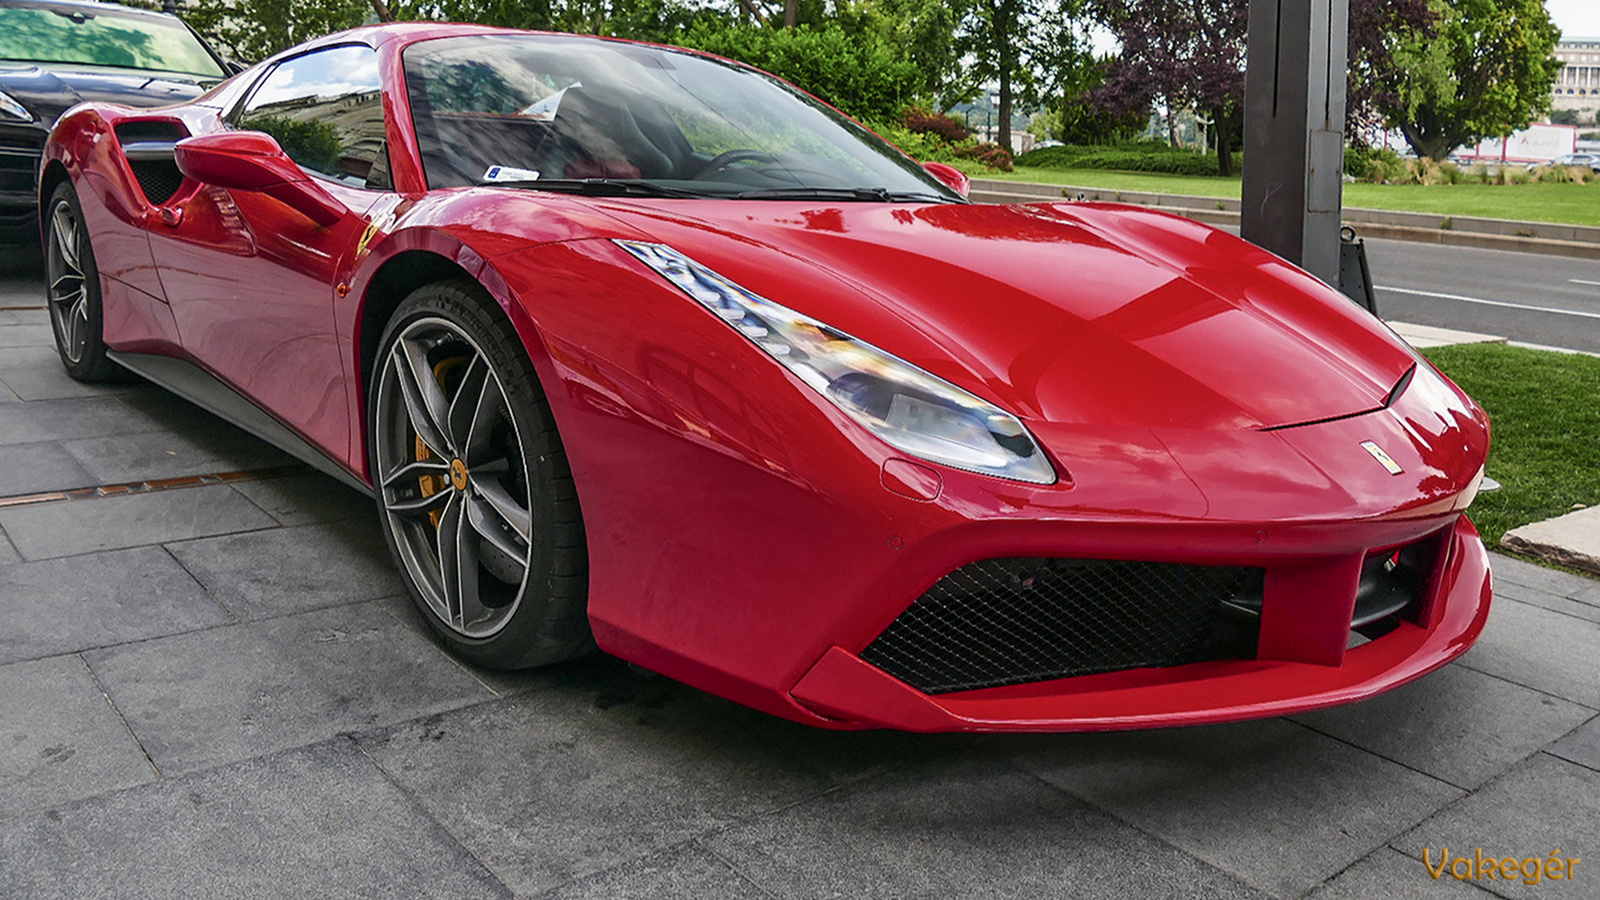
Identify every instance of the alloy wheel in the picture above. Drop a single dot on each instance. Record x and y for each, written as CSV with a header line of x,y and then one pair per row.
x,y
68,290
451,476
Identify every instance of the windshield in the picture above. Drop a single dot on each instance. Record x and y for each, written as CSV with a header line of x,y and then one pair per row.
x,y
87,36
556,112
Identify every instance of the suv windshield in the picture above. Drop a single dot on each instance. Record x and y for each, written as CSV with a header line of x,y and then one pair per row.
x,y
569,113
83,35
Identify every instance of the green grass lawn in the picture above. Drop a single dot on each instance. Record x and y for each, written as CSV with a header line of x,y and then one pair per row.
x,y
1569,204
1545,410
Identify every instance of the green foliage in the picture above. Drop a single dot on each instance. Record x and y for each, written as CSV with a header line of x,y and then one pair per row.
x,y
928,145
1487,72
1546,449
1371,163
1027,48
662,21
1564,117
863,76
1140,156
251,30
923,31
314,145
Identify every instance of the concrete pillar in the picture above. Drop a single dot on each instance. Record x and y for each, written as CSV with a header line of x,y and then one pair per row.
x,y
1294,130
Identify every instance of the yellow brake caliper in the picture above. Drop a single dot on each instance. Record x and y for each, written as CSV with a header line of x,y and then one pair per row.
x,y
430,484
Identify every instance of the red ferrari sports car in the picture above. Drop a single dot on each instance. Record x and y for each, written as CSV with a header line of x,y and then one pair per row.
x,y
641,349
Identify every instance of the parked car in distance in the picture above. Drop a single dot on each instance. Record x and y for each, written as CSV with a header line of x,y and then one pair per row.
x,y
1589,160
55,54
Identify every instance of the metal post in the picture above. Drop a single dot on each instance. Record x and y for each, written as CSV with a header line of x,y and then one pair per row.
x,y
1294,102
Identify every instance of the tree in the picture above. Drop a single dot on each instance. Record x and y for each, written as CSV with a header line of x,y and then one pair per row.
x,y
1186,53
1377,29
255,29
924,33
1487,72
1022,46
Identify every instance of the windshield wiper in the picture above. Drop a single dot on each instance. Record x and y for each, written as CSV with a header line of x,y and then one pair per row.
x,y
601,187
864,195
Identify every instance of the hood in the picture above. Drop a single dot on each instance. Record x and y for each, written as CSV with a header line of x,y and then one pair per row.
x,y
48,92
1068,313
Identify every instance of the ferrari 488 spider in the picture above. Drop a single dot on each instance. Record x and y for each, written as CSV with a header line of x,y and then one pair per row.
x,y
643,349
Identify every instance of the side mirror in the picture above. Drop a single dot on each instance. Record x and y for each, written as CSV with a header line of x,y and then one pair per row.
x,y
950,176
252,161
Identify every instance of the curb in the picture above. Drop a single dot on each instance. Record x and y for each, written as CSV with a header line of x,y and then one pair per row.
x,y
1571,540
1574,241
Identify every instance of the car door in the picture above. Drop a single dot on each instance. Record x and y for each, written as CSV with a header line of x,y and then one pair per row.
x,y
251,281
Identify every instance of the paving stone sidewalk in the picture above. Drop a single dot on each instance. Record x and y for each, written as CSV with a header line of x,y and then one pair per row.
x,y
220,692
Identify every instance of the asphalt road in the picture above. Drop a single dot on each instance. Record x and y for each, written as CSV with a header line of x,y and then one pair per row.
x,y
1549,300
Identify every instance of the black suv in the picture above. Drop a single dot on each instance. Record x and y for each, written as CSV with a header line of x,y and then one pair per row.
x,y
57,53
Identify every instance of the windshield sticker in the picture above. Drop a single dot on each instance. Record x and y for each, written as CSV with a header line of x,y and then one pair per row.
x,y
495,174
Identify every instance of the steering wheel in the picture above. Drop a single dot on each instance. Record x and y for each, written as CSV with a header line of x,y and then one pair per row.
x,y
732,157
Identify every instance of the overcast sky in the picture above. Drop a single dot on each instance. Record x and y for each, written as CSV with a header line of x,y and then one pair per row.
x,y
1575,18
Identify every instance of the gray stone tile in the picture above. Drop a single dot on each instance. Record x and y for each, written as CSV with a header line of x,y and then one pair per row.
x,y
308,498
1571,606
66,605
1456,724
1545,804
1509,569
62,741
1544,650
57,420
270,573
1393,875
605,768
8,553
1589,596
202,699
1582,746
983,830
6,316
311,823
1245,797
168,454
30,313
689,872
19,335
34,468
7,395
35,373
84,526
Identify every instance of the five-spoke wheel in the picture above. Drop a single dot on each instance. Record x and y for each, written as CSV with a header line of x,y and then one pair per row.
x,y
478,503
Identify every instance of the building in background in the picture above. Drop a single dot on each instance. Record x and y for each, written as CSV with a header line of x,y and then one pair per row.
x,y
1577,86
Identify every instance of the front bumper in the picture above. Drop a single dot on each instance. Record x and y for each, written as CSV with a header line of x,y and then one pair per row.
x,y
842,687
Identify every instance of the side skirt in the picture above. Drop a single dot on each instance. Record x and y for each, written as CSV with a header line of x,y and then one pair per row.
x,y
204,390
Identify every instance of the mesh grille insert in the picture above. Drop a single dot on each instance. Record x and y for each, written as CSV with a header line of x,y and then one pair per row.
x,y
1014,621
158,178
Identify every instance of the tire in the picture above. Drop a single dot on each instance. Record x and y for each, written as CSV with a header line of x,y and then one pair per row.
x,y
72,290
476,499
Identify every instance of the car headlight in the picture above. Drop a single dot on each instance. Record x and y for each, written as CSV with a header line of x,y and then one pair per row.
x,y
12,111
908,408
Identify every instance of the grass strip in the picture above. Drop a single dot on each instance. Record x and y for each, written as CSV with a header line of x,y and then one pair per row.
x,y
1566,204
1545,410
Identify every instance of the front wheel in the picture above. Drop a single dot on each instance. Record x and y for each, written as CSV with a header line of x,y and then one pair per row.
x,y
478,504
73,289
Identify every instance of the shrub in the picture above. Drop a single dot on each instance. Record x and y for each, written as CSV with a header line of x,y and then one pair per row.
x,y
1141,156
924,122
860,74
992,155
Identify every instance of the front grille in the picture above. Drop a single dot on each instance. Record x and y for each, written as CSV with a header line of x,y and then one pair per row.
x,y
1014,621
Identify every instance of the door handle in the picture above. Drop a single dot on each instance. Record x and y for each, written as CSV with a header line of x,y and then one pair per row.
x,y
171,216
